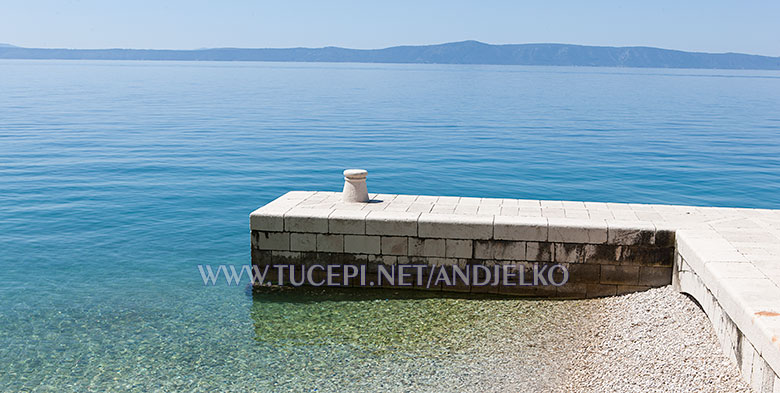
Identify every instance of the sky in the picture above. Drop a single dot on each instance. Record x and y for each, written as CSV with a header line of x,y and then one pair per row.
x,y
708,26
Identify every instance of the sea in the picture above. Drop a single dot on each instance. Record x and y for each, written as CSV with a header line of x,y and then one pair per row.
x,y
119,178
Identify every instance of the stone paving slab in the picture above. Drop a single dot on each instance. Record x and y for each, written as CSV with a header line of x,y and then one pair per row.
x,y
735,252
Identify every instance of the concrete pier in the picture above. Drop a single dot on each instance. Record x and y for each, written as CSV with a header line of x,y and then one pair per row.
x,y
728,259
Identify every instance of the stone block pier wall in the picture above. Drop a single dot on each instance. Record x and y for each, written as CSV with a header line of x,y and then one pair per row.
x,y
727,259
601,258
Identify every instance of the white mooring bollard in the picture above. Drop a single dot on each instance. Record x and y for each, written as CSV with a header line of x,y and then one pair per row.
x,y
355,185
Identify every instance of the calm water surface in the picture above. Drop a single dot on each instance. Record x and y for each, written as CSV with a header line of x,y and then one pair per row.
x,y
118,178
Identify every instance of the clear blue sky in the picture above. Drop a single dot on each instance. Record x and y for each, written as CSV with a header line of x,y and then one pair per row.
x,y
710,26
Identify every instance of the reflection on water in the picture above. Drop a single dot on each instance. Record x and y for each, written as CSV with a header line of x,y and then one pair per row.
x,y
381,321
381,337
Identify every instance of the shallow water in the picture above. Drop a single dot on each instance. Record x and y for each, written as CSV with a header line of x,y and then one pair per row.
x,y
118,178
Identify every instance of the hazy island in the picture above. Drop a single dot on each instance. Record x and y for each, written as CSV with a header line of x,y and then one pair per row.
x,y
465,52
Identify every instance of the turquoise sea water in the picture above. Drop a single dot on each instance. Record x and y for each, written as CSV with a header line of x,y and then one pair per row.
x,y
118,178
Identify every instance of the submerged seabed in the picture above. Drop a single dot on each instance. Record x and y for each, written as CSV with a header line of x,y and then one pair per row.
x,y
368,340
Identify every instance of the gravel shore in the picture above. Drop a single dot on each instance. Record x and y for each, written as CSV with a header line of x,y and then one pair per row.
x,y
652,341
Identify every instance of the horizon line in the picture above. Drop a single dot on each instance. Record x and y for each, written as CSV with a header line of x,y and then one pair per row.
x,y
9,45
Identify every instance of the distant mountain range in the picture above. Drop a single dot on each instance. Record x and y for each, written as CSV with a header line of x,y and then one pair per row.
x,y
465,52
